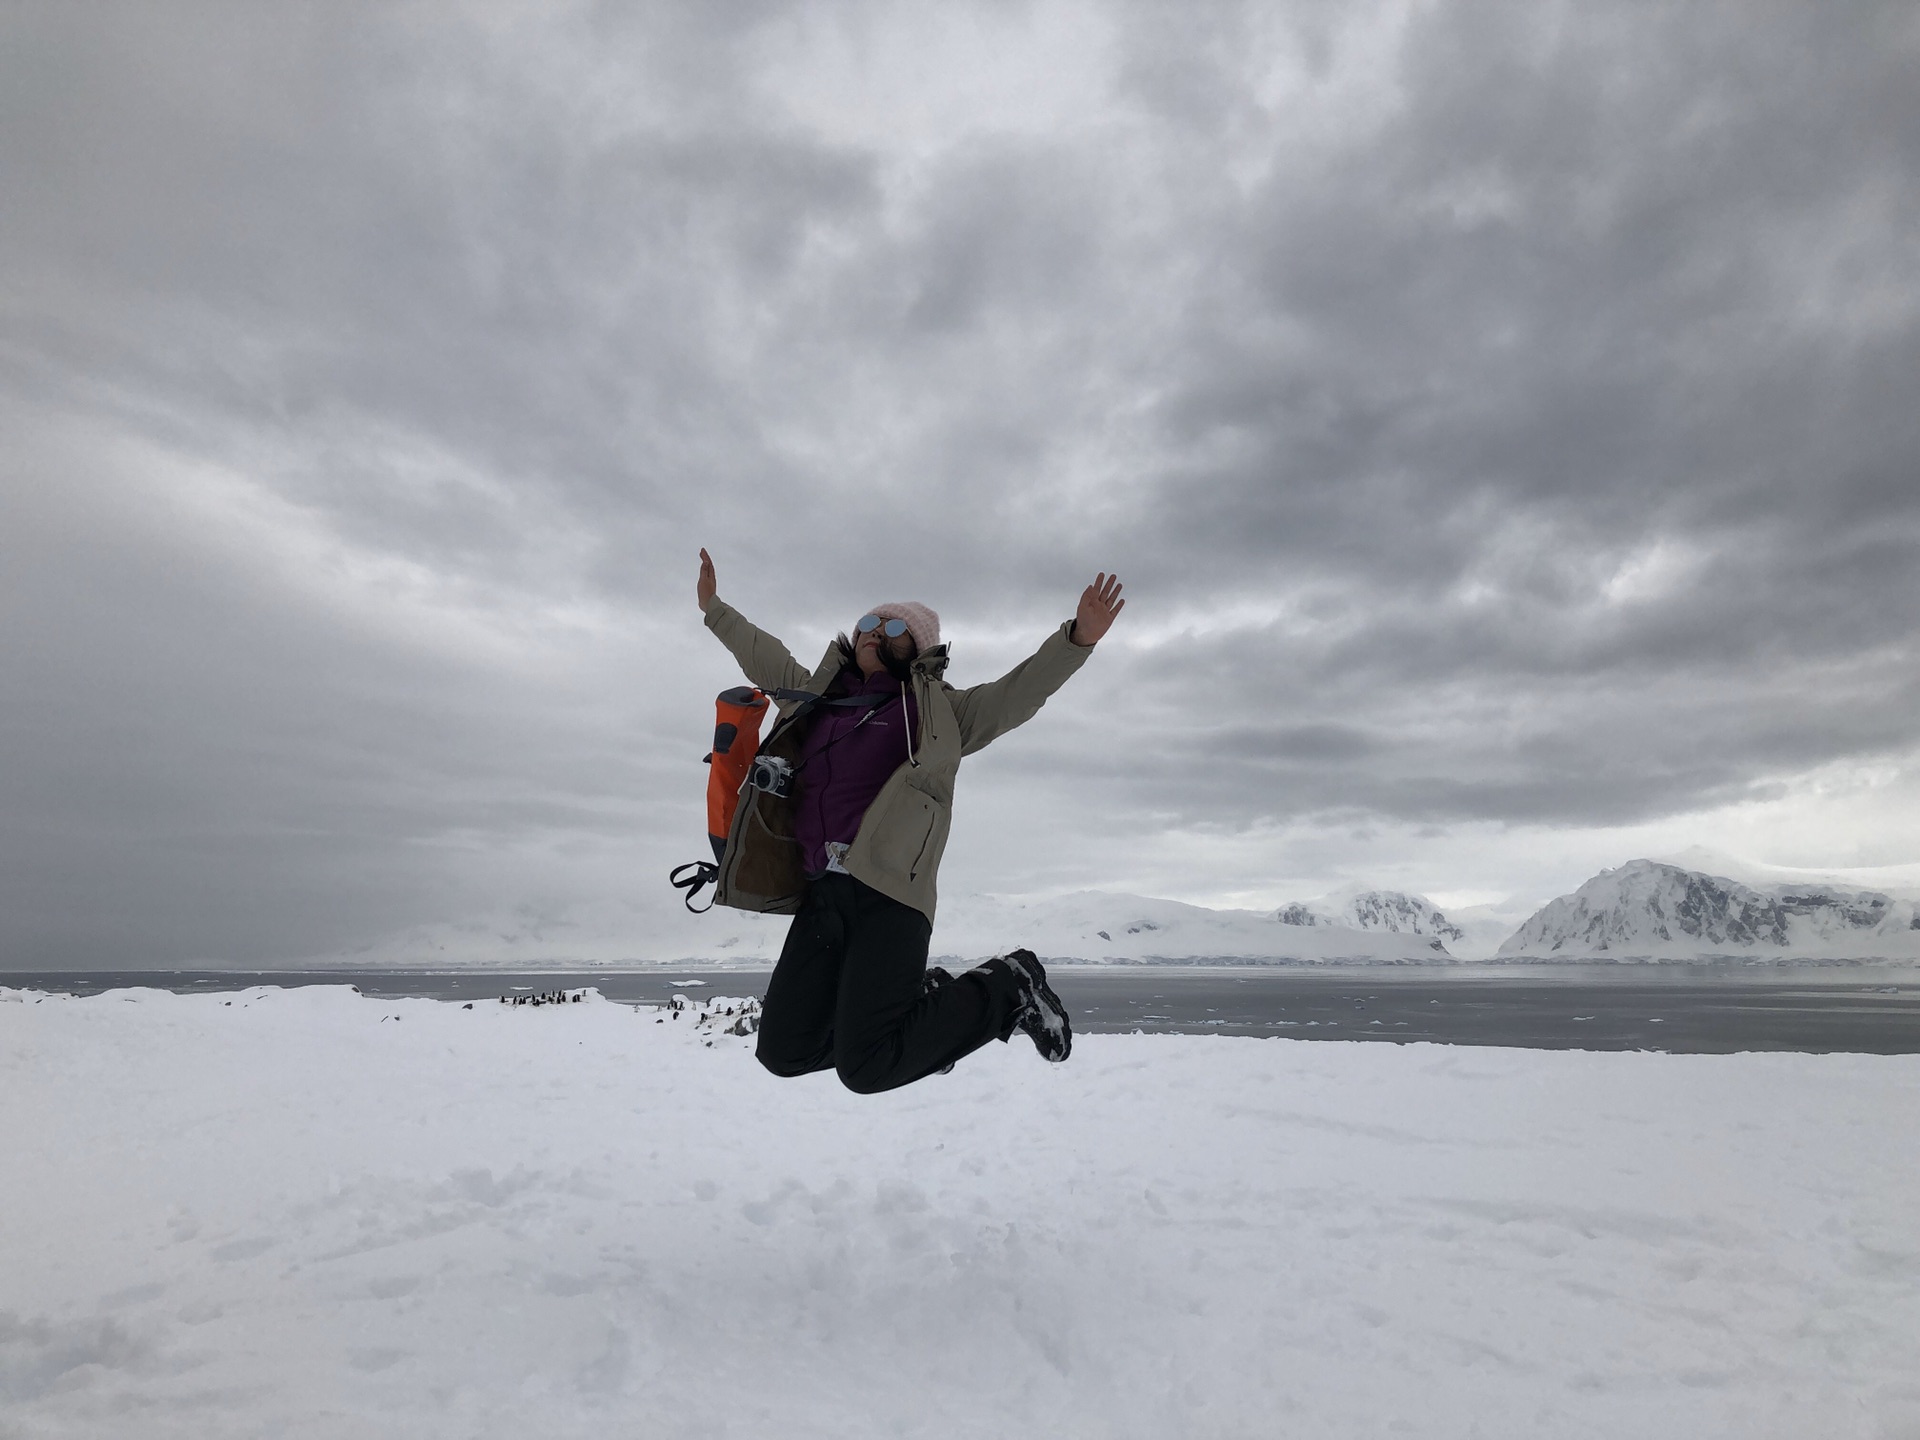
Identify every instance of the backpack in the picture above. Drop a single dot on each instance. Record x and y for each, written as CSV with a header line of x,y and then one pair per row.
x,y
736,740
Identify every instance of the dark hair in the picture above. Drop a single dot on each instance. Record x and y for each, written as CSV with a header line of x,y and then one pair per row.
x,y
901,670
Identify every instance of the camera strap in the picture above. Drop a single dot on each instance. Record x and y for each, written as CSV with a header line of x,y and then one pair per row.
x,y
808,700
869,703
693,877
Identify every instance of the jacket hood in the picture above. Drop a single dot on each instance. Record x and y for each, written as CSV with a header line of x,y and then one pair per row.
x,y
931,662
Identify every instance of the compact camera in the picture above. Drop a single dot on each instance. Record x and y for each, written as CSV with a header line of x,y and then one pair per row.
x,y
772,774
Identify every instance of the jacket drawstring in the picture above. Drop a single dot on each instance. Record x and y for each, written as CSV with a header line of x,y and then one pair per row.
x,y
906,721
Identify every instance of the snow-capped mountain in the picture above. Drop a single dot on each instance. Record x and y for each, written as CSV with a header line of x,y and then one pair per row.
x,y
1704,905
1358,908
1102,926
1901,882
1091,926
1654,910
1474,933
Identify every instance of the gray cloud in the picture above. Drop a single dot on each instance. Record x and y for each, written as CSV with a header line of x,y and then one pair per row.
x,y
1501,417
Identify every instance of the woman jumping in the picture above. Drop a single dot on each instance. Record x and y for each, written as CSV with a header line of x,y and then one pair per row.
x,y
844,826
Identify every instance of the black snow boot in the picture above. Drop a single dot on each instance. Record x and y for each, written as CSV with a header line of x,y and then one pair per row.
x,y
1041,1016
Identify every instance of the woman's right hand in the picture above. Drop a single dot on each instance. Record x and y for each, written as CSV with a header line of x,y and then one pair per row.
x,y
705,589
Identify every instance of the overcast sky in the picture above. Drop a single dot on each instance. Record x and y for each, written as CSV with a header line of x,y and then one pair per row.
x,y
1505,418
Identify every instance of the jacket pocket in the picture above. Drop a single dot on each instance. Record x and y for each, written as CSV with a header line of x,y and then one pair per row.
x,y
934,845
902,842
762,867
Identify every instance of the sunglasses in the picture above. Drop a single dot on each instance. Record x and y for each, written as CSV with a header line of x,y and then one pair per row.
x,y
892,629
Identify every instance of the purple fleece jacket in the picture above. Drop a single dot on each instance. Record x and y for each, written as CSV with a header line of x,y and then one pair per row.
x,y
847,756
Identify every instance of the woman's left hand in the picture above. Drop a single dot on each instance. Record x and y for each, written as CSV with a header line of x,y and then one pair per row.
x,y
1100,603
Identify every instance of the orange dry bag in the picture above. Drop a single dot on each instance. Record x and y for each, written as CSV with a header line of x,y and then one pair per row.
x,y
736,739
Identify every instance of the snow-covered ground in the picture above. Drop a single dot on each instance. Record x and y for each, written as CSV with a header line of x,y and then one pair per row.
x,y
312,1214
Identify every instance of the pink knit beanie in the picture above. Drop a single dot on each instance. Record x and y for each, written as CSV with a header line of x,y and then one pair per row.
x,y
922,623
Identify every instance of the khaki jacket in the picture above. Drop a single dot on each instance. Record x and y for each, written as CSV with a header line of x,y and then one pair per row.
x,y
904,833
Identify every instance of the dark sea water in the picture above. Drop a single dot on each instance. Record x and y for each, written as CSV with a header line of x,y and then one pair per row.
x,y
1683,1009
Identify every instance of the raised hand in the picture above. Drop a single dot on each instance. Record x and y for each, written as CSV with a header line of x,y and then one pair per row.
x,y
705,589
1100,603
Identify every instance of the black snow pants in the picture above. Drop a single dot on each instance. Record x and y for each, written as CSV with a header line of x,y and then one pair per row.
x,y
848,994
